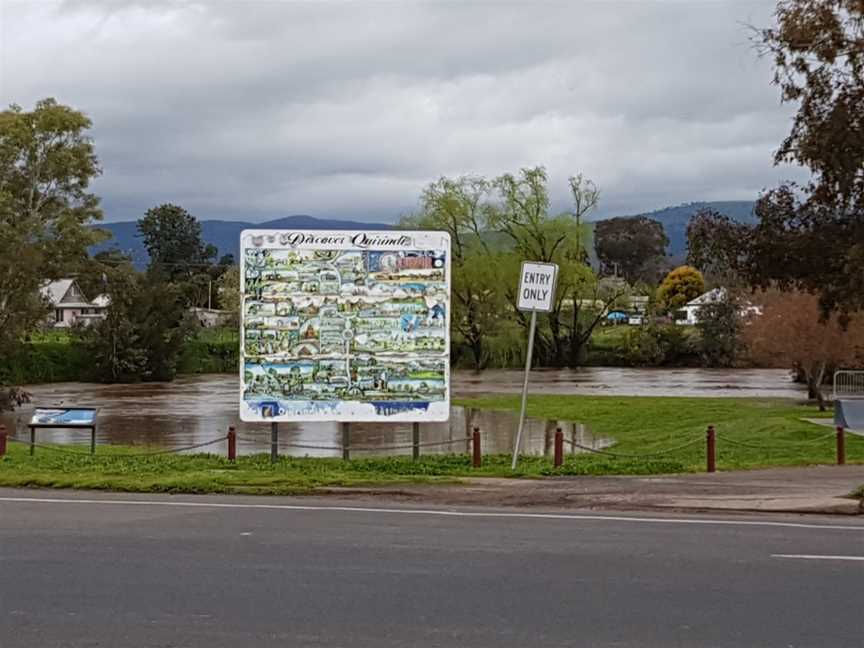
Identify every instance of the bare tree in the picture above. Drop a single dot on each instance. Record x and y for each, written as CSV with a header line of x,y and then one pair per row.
x,y
789,333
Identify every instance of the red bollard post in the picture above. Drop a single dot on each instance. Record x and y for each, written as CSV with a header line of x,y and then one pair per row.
x,y
711,453
477,458
559,448
841,446
2,440
232,444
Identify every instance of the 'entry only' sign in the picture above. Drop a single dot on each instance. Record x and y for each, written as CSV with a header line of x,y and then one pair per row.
x,y
537,286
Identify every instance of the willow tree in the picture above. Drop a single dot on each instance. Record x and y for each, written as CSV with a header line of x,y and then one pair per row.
x,y
460,207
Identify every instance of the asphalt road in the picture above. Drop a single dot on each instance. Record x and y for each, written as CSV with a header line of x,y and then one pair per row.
x,y
103,570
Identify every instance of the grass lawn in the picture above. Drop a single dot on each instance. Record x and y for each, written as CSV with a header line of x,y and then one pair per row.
x,y
110,469
640,426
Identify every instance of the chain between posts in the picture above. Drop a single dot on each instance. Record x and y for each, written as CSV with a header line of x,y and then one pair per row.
x,y
633,456
12,439
120,456
758,446
401,446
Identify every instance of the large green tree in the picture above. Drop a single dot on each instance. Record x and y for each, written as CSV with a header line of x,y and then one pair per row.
x,y
142,334
634,247
47,162
173,240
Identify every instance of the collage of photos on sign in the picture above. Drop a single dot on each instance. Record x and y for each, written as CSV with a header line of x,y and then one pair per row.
x,y
348,334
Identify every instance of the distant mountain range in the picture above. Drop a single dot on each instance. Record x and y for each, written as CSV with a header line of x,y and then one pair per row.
x,y
225,235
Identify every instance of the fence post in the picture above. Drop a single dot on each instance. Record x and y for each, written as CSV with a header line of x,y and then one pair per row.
x,y
32,440
232,444
2,440
841,446
477,457
346,441
711,453
274,442
559,447
415,440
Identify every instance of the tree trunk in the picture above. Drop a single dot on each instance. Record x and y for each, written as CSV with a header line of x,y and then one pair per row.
x,y
814,384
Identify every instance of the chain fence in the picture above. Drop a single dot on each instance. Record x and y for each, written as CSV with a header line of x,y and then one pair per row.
x,y
56,448
774,448
266,441
359,448
646,455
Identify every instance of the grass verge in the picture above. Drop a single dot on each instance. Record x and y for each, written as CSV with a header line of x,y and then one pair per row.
x,y
772,429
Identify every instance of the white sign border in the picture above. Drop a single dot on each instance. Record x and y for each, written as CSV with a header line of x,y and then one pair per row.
x,y
554,266
437,412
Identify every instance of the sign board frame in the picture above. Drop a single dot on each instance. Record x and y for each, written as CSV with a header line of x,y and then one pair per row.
x,y
552,286
386,294
48,421
42,417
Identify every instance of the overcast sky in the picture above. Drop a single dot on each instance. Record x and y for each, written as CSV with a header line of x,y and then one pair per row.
x,y
254,110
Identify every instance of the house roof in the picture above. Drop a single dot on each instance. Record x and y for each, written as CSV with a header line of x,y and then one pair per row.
x,y
710,297
54,291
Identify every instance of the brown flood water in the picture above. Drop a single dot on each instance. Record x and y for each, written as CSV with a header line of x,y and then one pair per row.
x,y
195,409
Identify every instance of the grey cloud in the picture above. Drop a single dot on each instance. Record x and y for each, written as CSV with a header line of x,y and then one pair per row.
x,y
264,109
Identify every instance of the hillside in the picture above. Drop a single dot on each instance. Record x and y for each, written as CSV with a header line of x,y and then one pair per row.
x,y
675,220
225,235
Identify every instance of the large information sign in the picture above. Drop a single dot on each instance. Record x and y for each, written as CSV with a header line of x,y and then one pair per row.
x,y
345,325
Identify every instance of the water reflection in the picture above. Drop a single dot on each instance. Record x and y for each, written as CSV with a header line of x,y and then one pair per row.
x,y
194,409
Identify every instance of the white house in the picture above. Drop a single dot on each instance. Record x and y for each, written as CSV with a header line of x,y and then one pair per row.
x,y
691,309
70,305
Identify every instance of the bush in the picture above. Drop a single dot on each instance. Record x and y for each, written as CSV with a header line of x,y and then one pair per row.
x,y
44,359
657,346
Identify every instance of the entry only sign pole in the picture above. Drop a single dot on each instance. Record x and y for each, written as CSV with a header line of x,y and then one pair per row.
x,y
536,295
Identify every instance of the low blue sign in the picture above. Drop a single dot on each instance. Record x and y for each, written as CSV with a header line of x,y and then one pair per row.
x,y
72,416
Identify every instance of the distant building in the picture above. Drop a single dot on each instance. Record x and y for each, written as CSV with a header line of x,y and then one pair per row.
x,y
212,317
70,305
639,303
692,308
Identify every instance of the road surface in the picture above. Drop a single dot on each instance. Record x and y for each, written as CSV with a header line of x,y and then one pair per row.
x,y
158,571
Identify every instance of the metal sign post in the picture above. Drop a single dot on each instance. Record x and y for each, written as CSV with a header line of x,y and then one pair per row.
x,y
536,294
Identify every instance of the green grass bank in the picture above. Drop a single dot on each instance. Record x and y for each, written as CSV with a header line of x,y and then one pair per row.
x,y
772,429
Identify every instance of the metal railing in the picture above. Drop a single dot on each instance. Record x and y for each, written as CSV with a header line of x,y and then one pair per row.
x,y
848,383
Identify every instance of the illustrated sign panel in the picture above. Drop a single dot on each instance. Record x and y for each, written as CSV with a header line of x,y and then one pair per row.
x,y
537,286
345,325
66,417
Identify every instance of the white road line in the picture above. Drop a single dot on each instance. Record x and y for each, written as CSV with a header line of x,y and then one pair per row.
x,y
444,513
814,557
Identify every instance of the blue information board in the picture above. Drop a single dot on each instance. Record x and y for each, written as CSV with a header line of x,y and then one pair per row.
x,y
67,417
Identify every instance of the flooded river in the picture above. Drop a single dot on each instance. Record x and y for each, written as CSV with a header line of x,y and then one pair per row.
x,y
195,409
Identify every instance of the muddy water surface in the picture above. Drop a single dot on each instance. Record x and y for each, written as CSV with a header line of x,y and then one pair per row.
x,y
195,409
